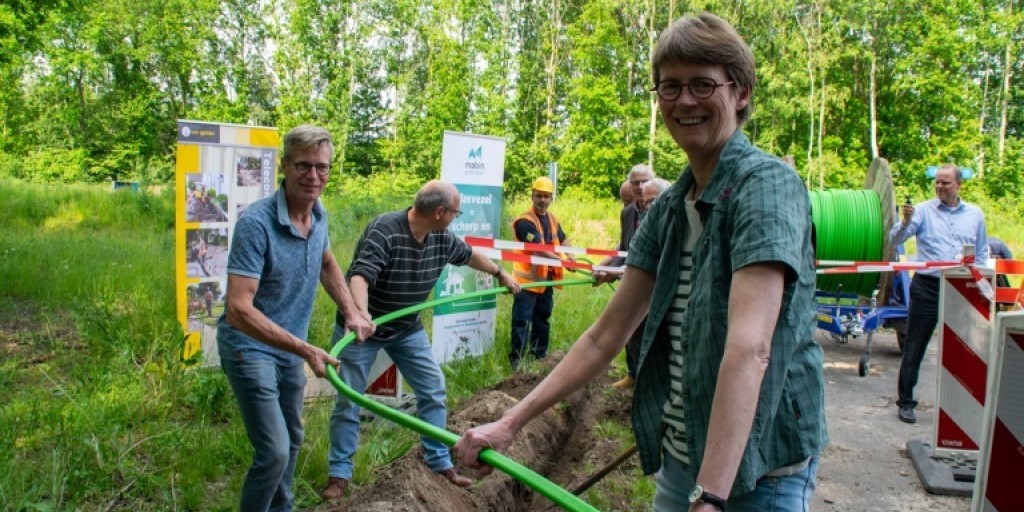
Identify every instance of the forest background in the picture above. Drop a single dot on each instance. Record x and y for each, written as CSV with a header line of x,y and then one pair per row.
x,y
90,90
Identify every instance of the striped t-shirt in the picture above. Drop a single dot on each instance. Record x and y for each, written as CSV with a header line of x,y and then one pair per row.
x,y
675,427
401,271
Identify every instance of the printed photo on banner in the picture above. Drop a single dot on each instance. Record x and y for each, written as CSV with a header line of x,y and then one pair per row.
x,y
207,252
206,304
249,170
206,198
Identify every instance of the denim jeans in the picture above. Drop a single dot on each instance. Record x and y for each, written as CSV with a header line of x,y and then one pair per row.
x,y
270,398
782,494
531,308
415,359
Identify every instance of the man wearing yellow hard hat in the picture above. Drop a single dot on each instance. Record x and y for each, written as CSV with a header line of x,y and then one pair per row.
x,y
531,307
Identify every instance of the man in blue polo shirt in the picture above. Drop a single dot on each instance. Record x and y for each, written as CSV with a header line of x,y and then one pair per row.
x,y
942,226
279,252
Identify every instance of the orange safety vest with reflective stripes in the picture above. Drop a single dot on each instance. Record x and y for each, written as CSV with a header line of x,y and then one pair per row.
x,y
526,273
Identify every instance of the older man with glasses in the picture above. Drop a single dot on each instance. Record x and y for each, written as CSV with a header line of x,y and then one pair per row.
x,y
629,220
396,264
279,252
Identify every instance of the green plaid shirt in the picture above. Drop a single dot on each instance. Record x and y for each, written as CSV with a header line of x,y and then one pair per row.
x,y
755,209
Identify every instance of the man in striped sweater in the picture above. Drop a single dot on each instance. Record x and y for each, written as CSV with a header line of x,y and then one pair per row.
x,y
396,263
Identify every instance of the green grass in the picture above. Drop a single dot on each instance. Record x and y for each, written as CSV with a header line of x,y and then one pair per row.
x,y
99,413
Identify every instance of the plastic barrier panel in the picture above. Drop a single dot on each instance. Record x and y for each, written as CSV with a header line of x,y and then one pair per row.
x,y
1001,463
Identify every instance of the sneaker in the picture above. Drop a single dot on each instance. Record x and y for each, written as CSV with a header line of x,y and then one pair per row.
x,y
336,487
455,478
907,415
626,383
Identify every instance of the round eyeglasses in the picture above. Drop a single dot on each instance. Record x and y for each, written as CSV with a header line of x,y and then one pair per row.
x,y
700,88
305,167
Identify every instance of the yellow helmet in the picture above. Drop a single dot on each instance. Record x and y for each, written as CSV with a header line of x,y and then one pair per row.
x,y
543,184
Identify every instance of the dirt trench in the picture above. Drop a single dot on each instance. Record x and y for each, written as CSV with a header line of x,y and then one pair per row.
x,y
562,444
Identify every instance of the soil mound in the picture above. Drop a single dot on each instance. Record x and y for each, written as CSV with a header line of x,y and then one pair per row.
x,y
560,445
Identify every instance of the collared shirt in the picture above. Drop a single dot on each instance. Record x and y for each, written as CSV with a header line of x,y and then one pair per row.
x,y
755,209
943,231
400,270
268,247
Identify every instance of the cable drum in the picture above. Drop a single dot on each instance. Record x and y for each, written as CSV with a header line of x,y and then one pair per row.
x,y
848,226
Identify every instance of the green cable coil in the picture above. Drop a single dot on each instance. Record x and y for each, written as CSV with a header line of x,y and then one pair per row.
x,y
848,226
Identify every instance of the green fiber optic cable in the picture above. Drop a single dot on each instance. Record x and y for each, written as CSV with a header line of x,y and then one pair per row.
x,y
849,227
543,486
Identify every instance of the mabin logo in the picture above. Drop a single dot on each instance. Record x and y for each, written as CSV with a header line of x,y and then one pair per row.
x,y
476,153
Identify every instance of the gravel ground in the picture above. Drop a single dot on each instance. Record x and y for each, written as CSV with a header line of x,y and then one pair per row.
x,y
866,466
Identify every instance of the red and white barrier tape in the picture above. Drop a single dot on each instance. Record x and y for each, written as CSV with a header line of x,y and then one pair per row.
x,y
855,267
503,250
518,257
491,243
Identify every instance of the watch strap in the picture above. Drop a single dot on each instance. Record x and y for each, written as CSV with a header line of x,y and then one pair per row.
x,y
712,499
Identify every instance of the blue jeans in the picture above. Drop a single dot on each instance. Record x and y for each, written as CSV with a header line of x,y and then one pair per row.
x,y
782,494
415,359
270,397
531,308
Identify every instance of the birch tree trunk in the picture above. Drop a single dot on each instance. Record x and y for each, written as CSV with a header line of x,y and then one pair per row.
x,y
981,125
1007,73
653,124
873,93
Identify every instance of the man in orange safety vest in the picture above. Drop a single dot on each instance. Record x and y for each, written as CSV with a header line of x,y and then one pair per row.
x,y
532,307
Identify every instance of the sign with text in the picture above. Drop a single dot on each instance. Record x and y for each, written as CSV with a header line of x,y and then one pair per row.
x,y
475,164
220,169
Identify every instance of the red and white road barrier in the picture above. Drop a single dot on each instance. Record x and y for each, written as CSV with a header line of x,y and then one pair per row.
x,y
1002,460
384,383
965,318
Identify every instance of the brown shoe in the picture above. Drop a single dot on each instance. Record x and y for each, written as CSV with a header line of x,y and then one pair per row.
x,y
335,488
455,478
626,383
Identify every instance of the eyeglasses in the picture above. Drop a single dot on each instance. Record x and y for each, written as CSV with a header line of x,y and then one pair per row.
x,y
458,213
305,167
700,88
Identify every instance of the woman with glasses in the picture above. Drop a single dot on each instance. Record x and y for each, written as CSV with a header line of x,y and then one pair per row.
x,y
728,405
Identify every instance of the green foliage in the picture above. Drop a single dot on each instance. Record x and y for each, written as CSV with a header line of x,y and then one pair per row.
x,y
90,91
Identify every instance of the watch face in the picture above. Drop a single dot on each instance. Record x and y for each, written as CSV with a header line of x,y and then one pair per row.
x,y
696,493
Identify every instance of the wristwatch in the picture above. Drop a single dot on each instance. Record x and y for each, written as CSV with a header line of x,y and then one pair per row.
x,y
497,273
699,495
